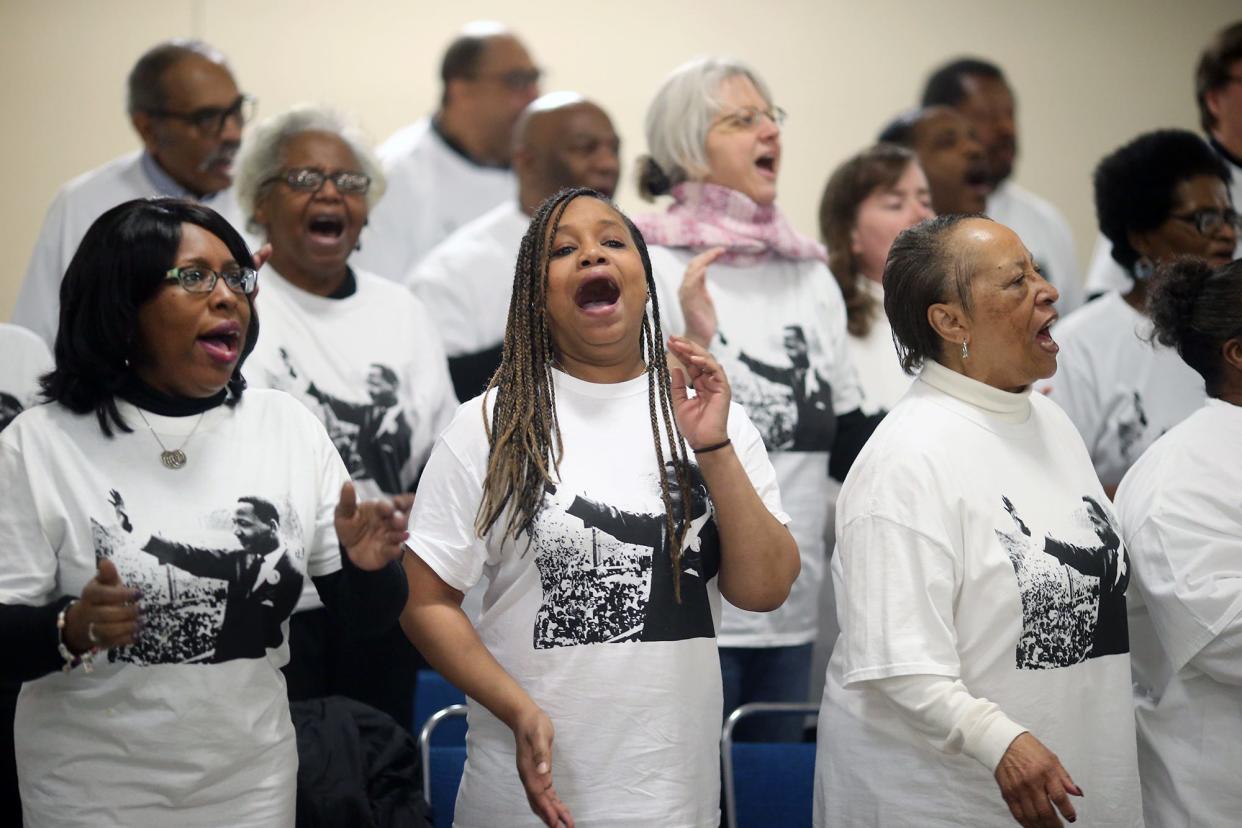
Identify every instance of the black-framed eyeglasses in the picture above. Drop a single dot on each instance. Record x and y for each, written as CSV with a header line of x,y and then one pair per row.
x,y
311,180
197,279
1209,220
750,117
515,80
210,120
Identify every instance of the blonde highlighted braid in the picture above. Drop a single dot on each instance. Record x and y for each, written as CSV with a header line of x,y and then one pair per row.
x,y
523,434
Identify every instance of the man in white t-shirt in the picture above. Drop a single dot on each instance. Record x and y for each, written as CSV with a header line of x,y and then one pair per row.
x,y
1218,92
562,140
185,106
978,89
453,166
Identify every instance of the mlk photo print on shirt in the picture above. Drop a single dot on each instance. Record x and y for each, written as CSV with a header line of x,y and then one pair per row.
x,y
607,573
791,403
1073,591
212,599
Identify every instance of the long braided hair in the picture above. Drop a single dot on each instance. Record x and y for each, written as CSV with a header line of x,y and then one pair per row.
x,y
523,434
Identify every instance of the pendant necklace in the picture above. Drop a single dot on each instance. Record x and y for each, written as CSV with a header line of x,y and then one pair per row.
x,y
175,458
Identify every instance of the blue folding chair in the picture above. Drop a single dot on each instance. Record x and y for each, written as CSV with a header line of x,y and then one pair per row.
x,y
442,765
432,693
768,783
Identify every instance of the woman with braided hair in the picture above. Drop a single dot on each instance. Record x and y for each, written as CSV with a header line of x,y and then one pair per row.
x,y
608,510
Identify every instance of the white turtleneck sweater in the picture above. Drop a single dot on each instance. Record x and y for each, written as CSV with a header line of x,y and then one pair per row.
x,y
980,586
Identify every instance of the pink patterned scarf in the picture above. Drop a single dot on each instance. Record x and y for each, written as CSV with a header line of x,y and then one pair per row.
x,y
708,215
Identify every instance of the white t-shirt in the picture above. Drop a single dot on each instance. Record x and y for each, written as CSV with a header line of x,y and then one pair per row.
x,y
1120,390
369,366
190,726
759,309
466,281
1181,515
581,614
1046,233
968,547
1104,274
26,359
875,357
76,206
432,190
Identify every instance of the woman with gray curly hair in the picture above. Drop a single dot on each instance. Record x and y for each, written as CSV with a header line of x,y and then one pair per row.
x,y
359,351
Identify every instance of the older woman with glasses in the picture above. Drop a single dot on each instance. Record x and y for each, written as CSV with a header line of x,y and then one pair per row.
x,y
360,352
1164,194
158,524
736,277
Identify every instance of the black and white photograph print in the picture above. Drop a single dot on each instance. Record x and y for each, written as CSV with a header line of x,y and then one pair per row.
x,y
10,407
218,597
607,573
1072,585
372,435
1131,426
788,400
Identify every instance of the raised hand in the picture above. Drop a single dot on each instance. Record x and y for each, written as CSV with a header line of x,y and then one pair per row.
x,y
703,418
373,532
106,615
696,301
1032,780
532,735
261,256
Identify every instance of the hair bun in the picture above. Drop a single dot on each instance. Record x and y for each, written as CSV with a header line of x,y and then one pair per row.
x,y
652,180
1173,295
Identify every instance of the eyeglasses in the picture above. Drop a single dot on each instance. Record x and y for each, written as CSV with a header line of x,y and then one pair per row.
x,y
515,80
311,180
1209,221
751,117
210,120
197,279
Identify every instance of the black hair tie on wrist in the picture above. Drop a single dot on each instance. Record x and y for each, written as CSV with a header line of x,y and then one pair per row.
x,y
713,447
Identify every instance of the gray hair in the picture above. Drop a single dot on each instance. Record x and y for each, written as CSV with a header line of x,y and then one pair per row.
x,y
262,152
145,85
679,118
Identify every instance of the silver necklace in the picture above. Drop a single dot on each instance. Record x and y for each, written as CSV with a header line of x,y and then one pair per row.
x,y
174,459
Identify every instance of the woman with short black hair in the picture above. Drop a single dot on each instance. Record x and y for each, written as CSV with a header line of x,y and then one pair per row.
x,y
1181,519
980,582
1162,195
157,525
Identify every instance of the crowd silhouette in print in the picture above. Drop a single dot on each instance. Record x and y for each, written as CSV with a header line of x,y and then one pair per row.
x,y
206,604
1073,594
607,573
791,404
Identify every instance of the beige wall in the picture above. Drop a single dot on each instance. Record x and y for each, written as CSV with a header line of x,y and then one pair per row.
x,y
1089,75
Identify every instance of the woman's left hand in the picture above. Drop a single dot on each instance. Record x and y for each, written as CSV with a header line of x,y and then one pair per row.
x,y
703,418
373,532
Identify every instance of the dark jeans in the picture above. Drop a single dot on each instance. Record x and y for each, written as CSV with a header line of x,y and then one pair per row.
x,y
766,674
325,661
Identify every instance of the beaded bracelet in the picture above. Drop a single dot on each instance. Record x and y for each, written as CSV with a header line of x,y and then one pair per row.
x,y
86,659
713,447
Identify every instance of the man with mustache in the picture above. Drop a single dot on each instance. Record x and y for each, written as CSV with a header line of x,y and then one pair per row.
x,y
950,154
979,91
185,106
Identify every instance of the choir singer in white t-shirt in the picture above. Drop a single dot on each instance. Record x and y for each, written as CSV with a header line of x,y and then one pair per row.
x,y
980,580
607,511
1181,517
156,528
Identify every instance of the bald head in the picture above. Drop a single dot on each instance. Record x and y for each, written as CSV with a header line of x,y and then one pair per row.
x,y
563,140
